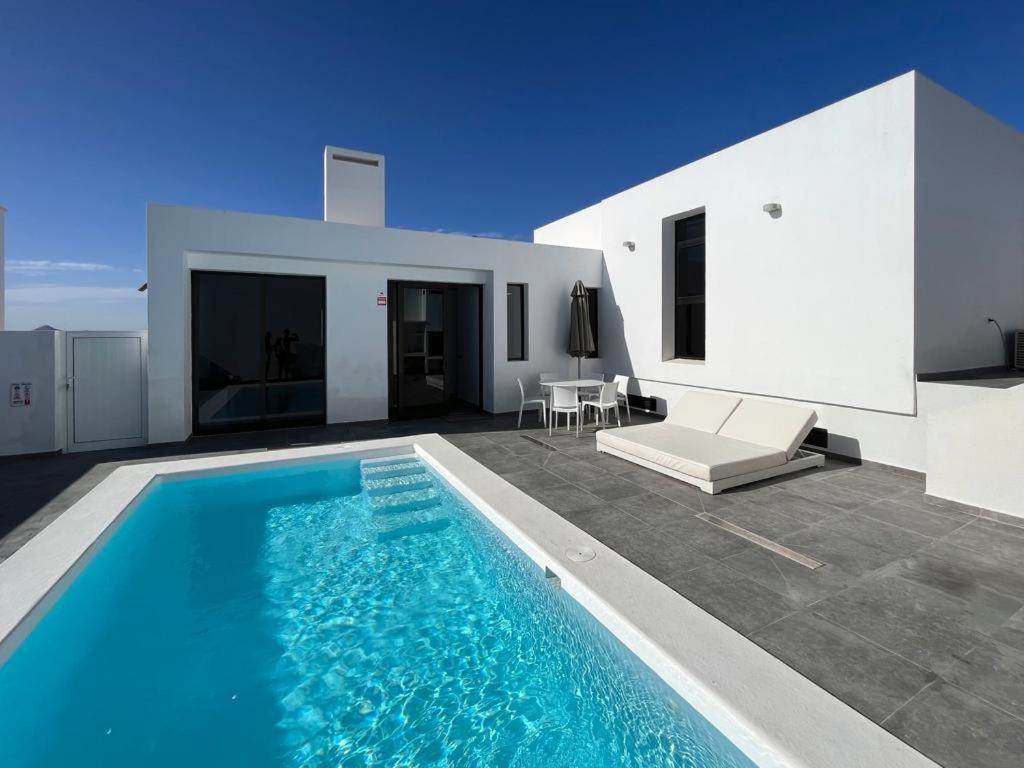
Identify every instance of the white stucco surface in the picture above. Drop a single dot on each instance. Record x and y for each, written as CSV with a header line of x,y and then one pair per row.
x,y
902,231
976,451
357,262
35,357
816,305
354,185
969,220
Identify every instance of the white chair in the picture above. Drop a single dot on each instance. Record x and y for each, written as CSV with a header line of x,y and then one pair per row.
x,y
607,400
564,400
622,394
590,394
524,401
546,391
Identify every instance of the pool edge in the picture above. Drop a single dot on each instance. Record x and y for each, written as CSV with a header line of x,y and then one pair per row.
x,y
721,673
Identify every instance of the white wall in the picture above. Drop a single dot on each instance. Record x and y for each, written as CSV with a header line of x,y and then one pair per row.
x,y
357,262
900,440
814,306
583,229
976,454
353,187
969,214
36,357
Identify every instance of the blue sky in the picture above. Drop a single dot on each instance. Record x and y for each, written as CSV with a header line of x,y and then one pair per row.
x,y
495,118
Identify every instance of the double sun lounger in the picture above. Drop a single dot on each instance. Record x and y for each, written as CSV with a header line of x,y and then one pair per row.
x,y
716,441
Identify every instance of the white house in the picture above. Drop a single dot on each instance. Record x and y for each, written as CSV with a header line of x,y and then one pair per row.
x,y
841,260
899,232
830,261
262,320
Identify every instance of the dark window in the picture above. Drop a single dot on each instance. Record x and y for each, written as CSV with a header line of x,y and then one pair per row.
x,y
516,295
258,350
592,308
689,291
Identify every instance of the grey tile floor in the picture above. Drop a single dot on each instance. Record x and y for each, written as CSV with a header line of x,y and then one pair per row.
x,y
916,619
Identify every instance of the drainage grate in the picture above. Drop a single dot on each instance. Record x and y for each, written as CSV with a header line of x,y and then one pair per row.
x,y
761,541
541,443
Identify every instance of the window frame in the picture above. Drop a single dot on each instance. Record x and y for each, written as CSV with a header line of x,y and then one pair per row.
x,y
523,324
691,299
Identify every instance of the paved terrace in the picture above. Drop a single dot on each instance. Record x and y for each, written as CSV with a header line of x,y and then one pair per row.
x,y
916,619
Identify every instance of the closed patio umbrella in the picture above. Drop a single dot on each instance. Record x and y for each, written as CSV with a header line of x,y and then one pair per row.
x,y
581,333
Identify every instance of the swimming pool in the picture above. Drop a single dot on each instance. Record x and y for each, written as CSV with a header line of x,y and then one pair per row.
x,y
332,612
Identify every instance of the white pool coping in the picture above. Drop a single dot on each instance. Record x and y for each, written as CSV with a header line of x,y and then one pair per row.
x,y
772,713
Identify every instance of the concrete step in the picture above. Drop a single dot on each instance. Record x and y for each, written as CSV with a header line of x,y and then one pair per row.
x,y
376,485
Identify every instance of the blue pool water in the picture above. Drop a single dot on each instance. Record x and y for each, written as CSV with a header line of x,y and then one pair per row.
x,y
330,615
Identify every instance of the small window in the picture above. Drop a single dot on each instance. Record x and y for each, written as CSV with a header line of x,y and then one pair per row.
x,y
592,308
517,329
689,288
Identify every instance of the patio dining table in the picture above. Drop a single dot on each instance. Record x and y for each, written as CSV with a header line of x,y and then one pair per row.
x,y
577,384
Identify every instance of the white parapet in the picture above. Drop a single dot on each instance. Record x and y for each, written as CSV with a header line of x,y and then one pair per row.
x,y
976,452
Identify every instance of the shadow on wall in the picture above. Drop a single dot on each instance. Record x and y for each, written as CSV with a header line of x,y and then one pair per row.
x,y
614,351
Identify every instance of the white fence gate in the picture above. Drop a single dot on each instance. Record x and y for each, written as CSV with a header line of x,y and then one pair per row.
x,y
106,378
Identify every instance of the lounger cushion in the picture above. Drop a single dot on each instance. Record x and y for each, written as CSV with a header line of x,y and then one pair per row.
x,y
706,411
778,426
692,452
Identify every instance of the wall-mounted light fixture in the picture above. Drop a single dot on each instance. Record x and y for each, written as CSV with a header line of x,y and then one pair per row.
x,y
629,244
1007,351
772,209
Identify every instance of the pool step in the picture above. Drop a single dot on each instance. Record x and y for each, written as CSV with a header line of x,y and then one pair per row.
x,y
409,458
375,485
414,529
403,496
398,484
405,501
381,468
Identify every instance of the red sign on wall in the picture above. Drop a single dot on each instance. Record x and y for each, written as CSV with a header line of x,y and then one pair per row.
x,y
382,300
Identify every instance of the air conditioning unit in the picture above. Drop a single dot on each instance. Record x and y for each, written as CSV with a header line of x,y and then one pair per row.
x,y
1017,355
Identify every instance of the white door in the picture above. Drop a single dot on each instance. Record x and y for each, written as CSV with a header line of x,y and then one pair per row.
x,y
106,389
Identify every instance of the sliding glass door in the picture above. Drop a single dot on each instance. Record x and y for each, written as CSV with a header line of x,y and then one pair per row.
x,y
257,350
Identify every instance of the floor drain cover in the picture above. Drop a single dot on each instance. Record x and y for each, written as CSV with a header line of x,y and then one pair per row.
x,y
580,554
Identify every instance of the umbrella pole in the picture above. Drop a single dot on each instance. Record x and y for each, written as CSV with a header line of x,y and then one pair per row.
x,y
579,367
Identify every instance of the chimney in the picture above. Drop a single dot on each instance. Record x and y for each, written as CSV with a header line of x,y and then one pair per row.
x,y
353,187
3,212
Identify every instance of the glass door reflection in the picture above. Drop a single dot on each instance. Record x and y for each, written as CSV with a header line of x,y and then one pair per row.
x,y
257,350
